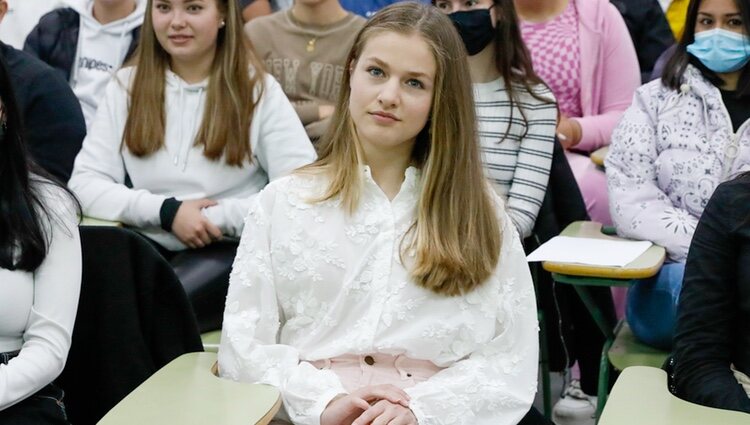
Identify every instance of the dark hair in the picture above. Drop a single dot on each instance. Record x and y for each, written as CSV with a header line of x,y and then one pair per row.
x,y
674,70
23,215
513,60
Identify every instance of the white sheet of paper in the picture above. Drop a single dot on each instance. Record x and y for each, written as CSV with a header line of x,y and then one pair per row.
x,y
594,252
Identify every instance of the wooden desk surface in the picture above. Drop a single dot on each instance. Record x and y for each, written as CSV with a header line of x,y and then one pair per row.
x,y
647,265
598,156
641,397
89,221
186,392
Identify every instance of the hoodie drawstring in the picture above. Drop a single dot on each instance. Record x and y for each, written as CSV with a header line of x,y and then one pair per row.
x,y
186,142
192,128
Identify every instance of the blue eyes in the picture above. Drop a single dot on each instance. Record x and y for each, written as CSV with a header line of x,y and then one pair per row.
x,y
378,73
415,83
375,72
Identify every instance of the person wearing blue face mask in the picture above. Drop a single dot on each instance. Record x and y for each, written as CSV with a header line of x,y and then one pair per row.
x,y
683,135
720,50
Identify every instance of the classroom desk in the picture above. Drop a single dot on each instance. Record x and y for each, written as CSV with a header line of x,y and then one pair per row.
x,y
647,265
90,221
640,397
582,276
598,156
186,392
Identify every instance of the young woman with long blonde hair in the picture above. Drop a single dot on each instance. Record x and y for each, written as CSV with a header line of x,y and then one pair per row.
x,y
385,283
196,129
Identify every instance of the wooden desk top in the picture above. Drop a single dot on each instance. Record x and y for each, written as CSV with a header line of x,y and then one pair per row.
x,y
641,397
187,392
598,156
89,221
647,265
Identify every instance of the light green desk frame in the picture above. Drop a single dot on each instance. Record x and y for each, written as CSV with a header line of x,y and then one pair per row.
x,y
640,397
186,392
582,276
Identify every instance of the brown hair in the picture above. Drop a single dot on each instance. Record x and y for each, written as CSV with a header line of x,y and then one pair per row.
x,y
674,70
234,88
456,236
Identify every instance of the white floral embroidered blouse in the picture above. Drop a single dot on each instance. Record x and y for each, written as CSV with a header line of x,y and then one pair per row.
x,y
311,282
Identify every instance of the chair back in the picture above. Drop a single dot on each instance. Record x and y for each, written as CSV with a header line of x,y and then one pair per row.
x,y
133,318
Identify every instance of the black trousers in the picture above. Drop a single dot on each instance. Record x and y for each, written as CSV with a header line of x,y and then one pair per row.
x,y
572,333
43,408
204,273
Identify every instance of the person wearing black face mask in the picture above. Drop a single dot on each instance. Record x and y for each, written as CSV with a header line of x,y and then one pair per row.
x,y
516,112
517,117
475,28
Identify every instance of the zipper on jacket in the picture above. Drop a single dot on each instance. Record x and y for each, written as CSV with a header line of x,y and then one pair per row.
x,y
731,150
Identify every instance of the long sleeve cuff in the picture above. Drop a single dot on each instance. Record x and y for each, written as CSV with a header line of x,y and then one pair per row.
x,y
168,212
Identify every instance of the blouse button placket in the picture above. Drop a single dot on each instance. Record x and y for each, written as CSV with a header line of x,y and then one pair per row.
x,y
383,267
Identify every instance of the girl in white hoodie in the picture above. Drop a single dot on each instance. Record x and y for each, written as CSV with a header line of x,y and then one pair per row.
x,y
185,138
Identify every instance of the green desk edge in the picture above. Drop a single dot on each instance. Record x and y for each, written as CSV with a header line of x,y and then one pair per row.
x,y
186,392
640,397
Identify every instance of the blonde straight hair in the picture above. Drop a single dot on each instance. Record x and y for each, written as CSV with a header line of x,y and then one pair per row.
x,y
456,235
235,86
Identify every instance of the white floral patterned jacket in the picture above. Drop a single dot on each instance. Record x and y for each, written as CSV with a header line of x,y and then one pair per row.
x,y
668,153
311,282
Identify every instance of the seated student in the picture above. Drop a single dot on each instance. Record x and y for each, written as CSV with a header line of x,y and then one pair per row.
x,y
199,129
516,120
683,135
648,29
582,50
87,42
51,115
23,15
517,123
305,48
712,340
40,277
385,283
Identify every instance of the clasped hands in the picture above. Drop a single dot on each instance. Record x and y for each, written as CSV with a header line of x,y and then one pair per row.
x,y
371,405
193,228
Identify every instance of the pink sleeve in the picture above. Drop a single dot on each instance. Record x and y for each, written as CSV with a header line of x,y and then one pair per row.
x,y
619,78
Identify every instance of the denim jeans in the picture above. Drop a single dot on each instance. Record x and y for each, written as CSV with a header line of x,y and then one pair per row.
x,y
652,306
45,407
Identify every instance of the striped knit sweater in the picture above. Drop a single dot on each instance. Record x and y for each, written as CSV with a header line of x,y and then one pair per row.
x,y
517,163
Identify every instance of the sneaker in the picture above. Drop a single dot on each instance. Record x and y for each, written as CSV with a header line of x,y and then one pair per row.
x,y
575,407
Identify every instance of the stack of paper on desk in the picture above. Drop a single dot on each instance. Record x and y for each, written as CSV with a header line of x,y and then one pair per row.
x,y
589,251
